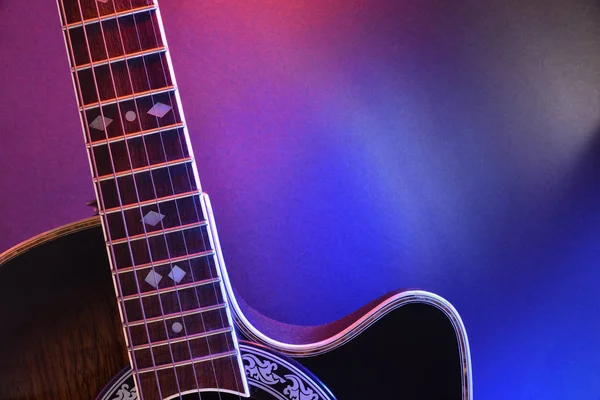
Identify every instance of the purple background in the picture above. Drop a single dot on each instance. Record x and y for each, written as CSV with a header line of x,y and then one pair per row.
x,y
354,147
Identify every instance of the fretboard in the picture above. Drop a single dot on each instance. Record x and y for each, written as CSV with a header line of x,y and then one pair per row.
x,y
174,309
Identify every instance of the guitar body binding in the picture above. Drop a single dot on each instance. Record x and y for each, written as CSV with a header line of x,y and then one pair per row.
x,y
63,338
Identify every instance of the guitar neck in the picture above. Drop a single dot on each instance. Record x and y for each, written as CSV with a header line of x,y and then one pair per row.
x,y
174,310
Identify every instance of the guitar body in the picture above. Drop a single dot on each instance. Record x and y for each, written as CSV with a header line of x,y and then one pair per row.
x,y
61,336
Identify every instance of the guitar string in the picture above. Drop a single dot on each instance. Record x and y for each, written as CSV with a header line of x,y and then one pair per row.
x,y
235,366
118,104
143,58
147,154
198,217
93,164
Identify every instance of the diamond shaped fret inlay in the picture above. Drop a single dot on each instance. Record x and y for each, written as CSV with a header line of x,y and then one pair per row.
x,y
159,110
152,218
153,279
100,123
176,274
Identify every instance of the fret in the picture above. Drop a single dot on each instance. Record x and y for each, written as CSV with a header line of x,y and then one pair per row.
x,y
118,37
140,267
150,185
128,97
106,17
183,338
102,142
200,313
131,56
140,151
157,201
118,124
135,171
195,270
188,362
124,79
173,302
172,316
161,248
195,349
198,323
167,316
149,235
223,373
173,213
169,289
72,9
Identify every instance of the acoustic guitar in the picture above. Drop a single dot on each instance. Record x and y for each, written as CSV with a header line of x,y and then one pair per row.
x,y
136,303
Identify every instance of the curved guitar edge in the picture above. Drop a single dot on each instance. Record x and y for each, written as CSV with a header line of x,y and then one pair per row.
x,y
291,340
307,341
48,236
270,376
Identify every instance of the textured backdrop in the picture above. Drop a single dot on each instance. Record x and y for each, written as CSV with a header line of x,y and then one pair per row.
x,y
355,147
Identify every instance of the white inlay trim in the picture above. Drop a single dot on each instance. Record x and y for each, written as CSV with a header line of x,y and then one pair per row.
x,y
100,124
177,327
159,110
103,1
176,274
153,279
130,116
152,218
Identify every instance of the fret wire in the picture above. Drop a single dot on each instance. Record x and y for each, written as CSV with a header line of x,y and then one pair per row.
x,y
149,168
169,300
135,96
193,361
159,232
183,338
108,17
166,317
134,135
111,60
161,263
170,289
198,347
150,202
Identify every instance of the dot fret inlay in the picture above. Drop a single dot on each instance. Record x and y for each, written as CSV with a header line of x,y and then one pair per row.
x,y
177,327
130,116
